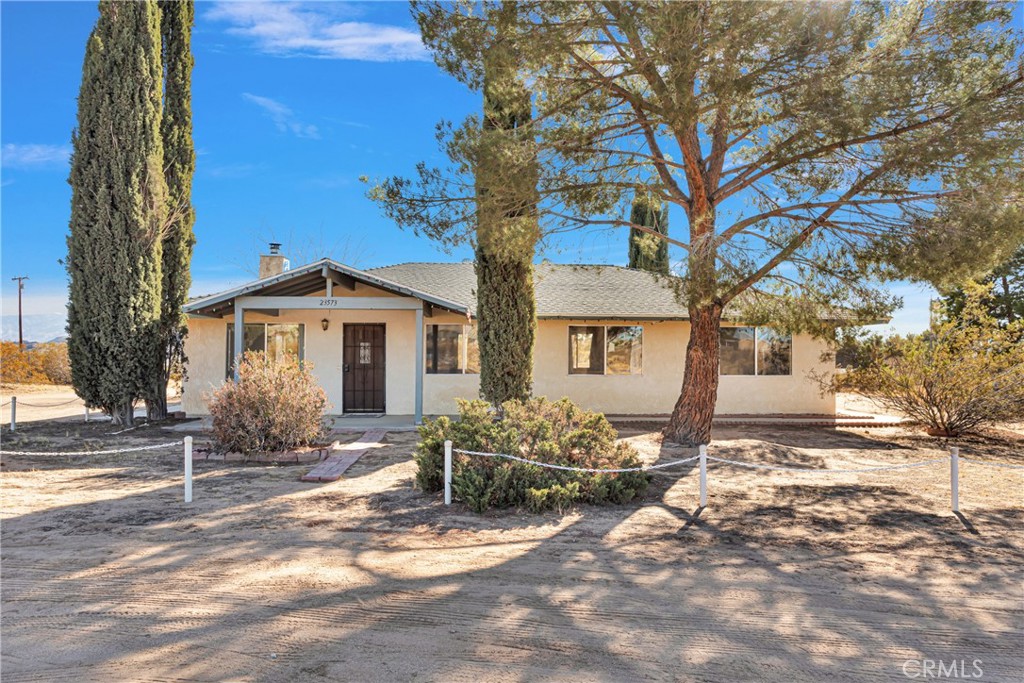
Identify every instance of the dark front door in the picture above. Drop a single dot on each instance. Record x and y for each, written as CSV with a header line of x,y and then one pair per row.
x,y
363,357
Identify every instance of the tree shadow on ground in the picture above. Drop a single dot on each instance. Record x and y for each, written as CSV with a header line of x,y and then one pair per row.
x,y
766,583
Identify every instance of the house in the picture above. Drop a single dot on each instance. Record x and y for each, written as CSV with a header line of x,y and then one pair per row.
x,y
401,340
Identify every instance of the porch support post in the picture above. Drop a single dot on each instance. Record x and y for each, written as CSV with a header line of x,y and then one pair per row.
x,y
239,334
419,365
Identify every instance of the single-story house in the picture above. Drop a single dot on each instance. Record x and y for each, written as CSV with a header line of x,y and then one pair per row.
x,y
401,340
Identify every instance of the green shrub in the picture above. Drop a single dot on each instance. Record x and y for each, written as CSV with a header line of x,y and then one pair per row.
x,y
274,406
556,432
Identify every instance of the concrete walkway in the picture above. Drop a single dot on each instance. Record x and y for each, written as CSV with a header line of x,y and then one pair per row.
x,y
334,466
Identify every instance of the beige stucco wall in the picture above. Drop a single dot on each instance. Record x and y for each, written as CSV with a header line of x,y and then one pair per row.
x,y
652,392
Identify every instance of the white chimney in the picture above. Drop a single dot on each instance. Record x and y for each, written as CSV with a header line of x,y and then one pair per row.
x,y
273,263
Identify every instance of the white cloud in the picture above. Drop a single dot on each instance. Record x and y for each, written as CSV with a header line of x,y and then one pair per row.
x,y
283,117
35,156
316,30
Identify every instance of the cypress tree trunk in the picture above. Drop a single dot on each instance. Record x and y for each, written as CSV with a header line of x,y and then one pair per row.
x,y
118,207
176,20
507,231
646,251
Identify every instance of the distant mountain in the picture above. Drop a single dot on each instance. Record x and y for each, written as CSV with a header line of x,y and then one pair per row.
x,y
38,327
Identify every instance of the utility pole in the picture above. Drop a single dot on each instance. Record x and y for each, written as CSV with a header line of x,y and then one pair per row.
x,y
21,285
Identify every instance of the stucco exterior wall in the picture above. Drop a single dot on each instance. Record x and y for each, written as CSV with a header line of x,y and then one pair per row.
x,y
653,392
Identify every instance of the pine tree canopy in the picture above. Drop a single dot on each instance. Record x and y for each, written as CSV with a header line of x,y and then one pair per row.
x,y
813,149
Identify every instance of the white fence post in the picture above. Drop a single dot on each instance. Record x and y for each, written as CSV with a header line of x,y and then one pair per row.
x,y
188,469
448,472
954,477
87,413
14,413
703,475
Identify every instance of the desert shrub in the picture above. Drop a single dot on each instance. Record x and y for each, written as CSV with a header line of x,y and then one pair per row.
x,y
20,366
556,432
963,373
273,406
52,359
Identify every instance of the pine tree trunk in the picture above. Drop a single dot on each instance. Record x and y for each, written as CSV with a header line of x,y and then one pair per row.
x,y
690,423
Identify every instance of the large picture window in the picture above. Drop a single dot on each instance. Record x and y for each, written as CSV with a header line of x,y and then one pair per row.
x,y
605,350
755,351
279,341
452,350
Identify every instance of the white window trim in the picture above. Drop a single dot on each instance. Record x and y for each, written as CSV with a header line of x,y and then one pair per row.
x,y
604,370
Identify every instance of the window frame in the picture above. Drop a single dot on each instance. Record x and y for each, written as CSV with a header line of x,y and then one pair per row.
x,y
604,352
230,341
464,336
757,353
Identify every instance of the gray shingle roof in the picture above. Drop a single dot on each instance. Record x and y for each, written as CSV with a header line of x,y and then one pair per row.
x,y
562,291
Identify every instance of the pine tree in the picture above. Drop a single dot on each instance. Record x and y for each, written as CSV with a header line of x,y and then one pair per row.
x,y
176,20
118,207
507,230
812,149
647,251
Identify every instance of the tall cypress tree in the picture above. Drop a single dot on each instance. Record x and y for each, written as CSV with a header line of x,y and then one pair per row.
x,y
118,209
507,230
647,251
176,20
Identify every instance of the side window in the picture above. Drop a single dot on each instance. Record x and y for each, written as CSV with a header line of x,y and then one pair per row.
x,y
755,351
278,340
774,352
586,350
737,351
625,350
452,349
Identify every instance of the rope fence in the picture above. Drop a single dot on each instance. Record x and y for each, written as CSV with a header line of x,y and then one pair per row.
x,y
186,443
14,403
954,459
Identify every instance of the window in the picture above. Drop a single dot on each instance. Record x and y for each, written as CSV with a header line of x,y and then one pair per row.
x,y
755,351
605,350
452,350
278,340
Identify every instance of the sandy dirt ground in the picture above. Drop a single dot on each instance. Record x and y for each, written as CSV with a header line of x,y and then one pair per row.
x,y
37,402
108,576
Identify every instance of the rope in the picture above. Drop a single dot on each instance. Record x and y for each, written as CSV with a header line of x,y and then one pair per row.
x,y
566,468
759,466
5,404
108,452
48,405
993,464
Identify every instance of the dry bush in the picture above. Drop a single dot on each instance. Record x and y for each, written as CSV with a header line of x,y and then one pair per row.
x,y
962,374
274,406
53,361
19,366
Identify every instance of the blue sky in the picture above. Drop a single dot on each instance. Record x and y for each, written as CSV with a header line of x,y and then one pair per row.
x,y
291,104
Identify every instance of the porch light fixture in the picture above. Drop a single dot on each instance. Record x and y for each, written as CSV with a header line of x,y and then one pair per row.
x,y
325,323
